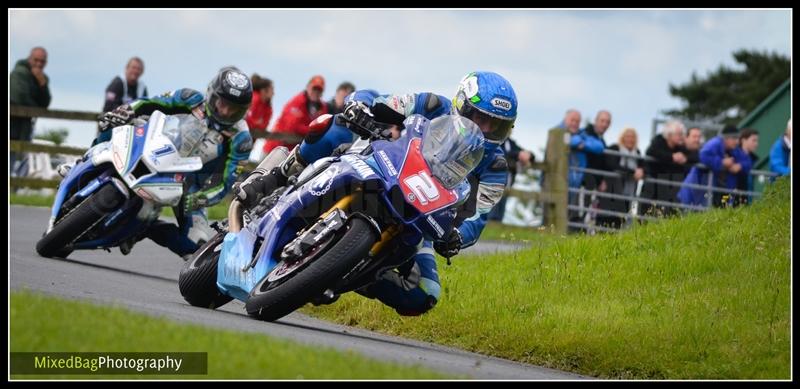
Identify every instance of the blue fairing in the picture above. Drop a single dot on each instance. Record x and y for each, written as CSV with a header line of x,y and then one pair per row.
x,y
275,226
137,146
72,178
279,226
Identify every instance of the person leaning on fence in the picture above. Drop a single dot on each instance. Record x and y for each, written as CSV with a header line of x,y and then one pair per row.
x,y
602,122
591,181
780,153
748,142
670,162
27,86
630,168
725,161
580,144
693,143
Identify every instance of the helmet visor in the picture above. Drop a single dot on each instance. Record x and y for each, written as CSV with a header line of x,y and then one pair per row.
x,y
226,111
495,129
452,146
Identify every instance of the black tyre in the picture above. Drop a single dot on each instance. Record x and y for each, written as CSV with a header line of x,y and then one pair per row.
x,y
269,302
198,278
78,220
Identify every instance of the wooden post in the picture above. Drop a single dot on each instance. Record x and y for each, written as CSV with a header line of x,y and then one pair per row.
x,y
555,180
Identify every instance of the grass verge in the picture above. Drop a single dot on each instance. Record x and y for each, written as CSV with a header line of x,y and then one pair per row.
x,y
44,323
706,296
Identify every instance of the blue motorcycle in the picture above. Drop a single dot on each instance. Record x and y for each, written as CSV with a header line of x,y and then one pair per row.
x,y
342,222
120,186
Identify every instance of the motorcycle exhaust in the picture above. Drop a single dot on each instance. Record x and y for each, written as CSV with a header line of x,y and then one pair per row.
x,y
273,159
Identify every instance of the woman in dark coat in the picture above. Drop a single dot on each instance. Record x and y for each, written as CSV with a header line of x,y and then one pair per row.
x,y
631,170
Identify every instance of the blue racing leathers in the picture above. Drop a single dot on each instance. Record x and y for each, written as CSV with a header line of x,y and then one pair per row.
x,y
417,289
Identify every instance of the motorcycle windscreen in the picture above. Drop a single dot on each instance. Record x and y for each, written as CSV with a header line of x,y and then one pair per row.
x,y
452,146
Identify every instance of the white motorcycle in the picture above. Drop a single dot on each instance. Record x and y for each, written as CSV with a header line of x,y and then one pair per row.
x,y
120,186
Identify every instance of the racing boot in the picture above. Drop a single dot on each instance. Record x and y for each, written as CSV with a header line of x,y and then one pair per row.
x,y
64,168
251,191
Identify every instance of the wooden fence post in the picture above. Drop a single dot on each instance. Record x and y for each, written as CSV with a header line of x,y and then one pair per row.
x,y
555,180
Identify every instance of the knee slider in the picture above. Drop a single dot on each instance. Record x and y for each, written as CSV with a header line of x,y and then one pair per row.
x,y
424,307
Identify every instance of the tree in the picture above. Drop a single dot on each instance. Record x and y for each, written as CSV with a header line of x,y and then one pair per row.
x,y
731,94
57,136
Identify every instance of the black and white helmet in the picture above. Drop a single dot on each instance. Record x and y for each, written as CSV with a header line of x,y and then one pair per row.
x,y
228,97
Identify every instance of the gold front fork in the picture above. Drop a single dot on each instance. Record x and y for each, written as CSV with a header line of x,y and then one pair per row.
x,y
386,236
342,204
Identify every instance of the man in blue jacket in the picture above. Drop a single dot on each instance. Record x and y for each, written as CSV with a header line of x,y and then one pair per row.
x,y
726,162
580,143
487,99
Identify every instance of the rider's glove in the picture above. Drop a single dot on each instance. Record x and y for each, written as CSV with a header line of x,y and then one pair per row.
x,y
358,117
194,202
451,244
118,117
250,192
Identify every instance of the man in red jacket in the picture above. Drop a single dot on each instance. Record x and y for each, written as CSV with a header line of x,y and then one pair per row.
x,y
298,113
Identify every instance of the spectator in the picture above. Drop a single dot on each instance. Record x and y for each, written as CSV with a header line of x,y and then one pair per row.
x,y
119,92
580,143
515,156
670,162
748,142
694,140
28,86
631,170
591,181
298,113
336,105
725,161
781,152
602,122
260,112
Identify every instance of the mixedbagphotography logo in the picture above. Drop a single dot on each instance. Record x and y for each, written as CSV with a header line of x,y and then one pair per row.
x,y
177,363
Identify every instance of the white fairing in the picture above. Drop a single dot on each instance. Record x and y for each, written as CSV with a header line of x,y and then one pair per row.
x,y
358,146
310,169
159,154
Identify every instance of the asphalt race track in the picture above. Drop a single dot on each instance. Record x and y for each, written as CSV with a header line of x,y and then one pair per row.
x,y
146,281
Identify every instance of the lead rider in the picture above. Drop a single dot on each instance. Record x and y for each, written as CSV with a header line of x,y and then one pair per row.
x,y
487,99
